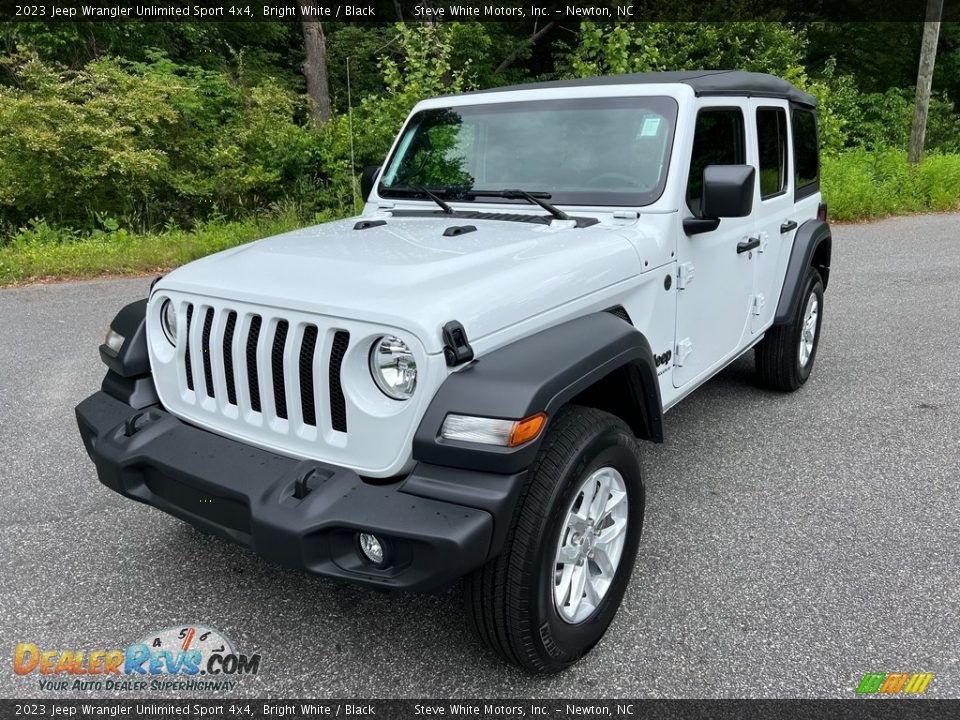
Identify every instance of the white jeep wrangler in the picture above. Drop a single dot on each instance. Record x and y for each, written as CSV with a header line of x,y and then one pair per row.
x,y
455,383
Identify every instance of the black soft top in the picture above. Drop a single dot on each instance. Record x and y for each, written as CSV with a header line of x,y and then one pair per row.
x,y
704,83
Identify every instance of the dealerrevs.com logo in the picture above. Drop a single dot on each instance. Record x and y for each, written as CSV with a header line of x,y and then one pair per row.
x,y
188,657
896,683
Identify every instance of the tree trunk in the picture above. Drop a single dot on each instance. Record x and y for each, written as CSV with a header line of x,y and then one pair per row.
x,y
532,40
315,70
928,56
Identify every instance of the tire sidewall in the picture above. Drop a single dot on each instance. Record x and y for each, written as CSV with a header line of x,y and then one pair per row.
x,y
563,642
813,285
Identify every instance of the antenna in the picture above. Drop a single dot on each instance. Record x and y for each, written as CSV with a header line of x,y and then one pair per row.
x,y
353,163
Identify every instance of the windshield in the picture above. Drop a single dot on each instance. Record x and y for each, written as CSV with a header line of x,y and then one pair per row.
x,y
588,151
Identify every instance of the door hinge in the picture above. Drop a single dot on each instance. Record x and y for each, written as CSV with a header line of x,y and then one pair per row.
x,y
764,241
756,303
684,348
685,273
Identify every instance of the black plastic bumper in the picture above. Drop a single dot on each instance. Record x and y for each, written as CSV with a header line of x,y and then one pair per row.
x,y
438,523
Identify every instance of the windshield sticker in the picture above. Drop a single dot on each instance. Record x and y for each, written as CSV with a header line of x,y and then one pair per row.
x,y
650,127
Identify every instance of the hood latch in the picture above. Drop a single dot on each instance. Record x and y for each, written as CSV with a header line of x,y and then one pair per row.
x,y
456,347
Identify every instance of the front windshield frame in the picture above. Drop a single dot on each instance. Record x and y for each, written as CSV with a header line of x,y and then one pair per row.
x,y
666,107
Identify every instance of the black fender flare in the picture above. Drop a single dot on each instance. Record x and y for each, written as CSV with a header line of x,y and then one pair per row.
x,y
128,375
810,237
541,373
132,359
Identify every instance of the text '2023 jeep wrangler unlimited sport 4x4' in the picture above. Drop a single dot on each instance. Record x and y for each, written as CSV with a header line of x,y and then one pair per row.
x,y
454,384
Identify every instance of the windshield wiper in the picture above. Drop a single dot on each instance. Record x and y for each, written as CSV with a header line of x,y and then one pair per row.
x,y
535,198
419,190
436,198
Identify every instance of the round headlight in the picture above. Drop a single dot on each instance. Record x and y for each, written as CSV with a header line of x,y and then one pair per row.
x,y
393,368
168,321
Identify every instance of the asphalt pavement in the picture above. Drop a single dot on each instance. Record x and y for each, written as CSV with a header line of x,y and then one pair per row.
x,y
791,543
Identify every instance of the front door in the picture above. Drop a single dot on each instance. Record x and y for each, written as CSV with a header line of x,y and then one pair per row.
x,y
715,282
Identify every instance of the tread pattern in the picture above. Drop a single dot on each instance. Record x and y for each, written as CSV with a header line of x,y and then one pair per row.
x,y
772,356
495,602
775,356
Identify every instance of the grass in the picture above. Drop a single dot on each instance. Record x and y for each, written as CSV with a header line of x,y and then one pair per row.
x,y
861,185
36,255
857,185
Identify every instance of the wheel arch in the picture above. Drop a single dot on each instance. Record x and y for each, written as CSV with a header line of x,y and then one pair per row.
x,y
627,393
821,258
812,247
598,360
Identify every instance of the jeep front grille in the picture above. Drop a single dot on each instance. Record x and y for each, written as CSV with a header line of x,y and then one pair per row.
x,y
276,368
188,369
307,348
259,369
253,337
338,404
228,357
207,369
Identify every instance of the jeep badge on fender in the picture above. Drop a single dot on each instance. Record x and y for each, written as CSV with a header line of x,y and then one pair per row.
x,y
458,383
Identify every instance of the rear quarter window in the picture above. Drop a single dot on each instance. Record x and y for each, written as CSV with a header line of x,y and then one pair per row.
x,y
806,161
772,146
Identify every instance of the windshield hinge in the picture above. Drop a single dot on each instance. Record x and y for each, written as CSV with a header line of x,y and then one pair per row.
x,y
456,347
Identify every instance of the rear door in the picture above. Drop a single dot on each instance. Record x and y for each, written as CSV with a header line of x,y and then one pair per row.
x,y
773,206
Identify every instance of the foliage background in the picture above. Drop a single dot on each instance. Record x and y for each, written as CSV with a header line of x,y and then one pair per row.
x,y
131,137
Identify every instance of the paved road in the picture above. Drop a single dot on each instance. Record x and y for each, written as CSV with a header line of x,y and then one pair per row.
x,y
792,543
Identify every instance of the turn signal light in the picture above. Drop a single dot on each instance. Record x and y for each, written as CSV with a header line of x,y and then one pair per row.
x,y
113,340
492,431
527,429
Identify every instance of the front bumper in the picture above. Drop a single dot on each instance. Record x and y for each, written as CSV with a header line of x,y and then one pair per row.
x,y
439,523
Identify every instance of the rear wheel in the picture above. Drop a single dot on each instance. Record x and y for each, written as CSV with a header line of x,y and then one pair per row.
x,y
784,358
549,597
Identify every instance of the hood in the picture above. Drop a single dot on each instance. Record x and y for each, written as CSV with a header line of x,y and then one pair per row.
x,y
408,275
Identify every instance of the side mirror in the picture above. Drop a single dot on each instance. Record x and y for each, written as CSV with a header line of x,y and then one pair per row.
x,y
366,180
727,192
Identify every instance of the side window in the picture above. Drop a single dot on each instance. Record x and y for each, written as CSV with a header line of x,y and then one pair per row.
x,y
806,165
772,143
718,139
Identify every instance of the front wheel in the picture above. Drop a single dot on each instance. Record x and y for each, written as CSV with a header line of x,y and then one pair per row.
x,y
549,597
784,358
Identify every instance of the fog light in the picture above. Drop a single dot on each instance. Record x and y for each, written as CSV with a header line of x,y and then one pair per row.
x,y
372,549
113,340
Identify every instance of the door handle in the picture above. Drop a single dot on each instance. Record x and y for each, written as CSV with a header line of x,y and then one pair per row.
x,y
788,226
748,244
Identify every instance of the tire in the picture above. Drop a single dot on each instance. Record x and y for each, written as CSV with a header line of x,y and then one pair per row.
x,y
511,600
780,359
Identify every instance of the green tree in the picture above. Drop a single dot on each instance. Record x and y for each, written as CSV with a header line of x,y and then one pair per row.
x,y
421,65
614,48
144,142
